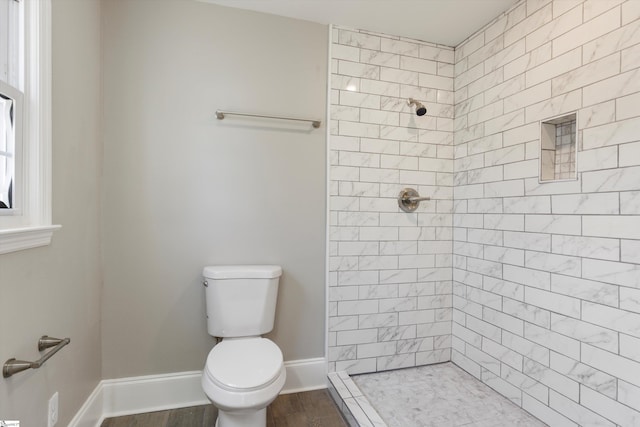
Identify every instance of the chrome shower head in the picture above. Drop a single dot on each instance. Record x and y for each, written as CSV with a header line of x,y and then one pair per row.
x,y
421,110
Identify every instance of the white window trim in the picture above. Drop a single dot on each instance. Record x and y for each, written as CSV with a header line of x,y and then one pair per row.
x,y
36,150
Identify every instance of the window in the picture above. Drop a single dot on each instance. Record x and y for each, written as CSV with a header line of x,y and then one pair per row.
x,y
11,91
25,124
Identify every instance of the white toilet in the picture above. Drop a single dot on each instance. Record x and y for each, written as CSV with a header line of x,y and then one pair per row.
x,y
244,372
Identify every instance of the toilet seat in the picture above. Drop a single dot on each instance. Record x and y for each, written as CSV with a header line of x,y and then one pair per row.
x,y
244,364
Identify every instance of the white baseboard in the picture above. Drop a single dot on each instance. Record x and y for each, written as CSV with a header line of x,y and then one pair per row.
x,y
305,375
135,395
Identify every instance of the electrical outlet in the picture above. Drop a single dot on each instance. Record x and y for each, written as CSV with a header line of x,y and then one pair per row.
x,y
52,415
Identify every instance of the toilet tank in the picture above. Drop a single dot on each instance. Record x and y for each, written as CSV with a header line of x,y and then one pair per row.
x,y
241,299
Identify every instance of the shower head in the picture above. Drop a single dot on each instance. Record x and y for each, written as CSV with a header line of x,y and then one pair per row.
x,y
421,110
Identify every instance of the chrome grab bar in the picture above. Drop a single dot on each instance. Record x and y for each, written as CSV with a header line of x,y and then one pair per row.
x,y
221,115
13,366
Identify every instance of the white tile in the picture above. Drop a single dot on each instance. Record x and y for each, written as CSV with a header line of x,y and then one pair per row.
x,y
502,321
612,88
505,22
552,340
630,347
514,188
527,25
379,88
612,226
621,179
612,272
527,312
555,28
630,299
585,289
594,204
594,8
484,328
533,187
552,379
349,53
588,31
611,134
553,302
527,384
584,374
599,158
606,339
531,241
400,47
352,38
630,12
630,57
531,350
629,395
612,318
528,61
598,114
576,412
557,224
545,413
629,154
555,106
376,57
627,106
555,67
483,359
357,337
618,413
531,95
355,69
511,222
347,128
399,76
525,276
590,247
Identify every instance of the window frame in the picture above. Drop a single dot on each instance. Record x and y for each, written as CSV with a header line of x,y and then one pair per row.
x,y
31,224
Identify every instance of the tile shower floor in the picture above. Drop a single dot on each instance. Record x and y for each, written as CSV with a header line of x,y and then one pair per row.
x,y
439,395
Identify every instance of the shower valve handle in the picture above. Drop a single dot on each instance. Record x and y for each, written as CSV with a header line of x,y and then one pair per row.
x,y
409,200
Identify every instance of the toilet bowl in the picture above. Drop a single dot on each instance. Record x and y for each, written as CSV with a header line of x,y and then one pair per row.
x,y
244,372
241,378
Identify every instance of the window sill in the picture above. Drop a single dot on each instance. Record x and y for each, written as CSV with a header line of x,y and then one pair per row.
x,y
17,239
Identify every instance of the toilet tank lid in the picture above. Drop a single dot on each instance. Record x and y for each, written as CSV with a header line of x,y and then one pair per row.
x,y
242,271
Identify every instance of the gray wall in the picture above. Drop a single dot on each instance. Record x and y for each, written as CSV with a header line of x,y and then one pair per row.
x,y
55,290
184,190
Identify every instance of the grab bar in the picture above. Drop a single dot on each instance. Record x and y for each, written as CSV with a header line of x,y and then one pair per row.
x,y
13,366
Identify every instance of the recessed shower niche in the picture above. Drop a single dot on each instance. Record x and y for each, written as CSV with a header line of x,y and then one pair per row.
x,y
558,148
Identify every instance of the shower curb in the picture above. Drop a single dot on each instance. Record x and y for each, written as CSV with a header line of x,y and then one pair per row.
x,y
353,404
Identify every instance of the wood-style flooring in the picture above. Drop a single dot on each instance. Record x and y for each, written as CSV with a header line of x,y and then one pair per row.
x,y
308,409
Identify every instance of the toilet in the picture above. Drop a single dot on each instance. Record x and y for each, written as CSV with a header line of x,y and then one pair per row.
x,y
244,372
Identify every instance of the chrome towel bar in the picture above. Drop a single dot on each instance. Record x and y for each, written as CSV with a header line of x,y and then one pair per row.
x,y
13,366
221,115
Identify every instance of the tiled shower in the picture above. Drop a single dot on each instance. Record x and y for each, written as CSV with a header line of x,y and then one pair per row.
x,y
530,285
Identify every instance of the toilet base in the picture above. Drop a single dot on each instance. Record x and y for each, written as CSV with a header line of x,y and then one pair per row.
x,y
242,419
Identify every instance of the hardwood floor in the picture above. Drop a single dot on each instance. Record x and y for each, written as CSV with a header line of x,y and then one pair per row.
x,y
308,409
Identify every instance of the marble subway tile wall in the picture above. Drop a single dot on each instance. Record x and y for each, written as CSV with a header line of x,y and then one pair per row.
x,y
546,290
390,272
